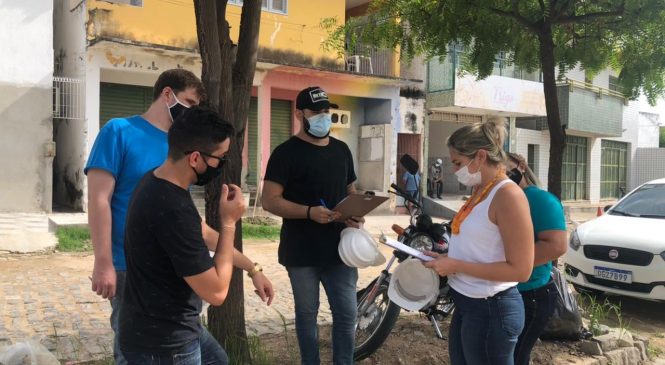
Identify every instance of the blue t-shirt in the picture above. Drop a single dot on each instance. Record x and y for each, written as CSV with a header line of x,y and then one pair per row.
x,y
127,148
412,181
547,215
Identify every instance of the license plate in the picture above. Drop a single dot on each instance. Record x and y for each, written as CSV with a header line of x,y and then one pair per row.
x,y
607,273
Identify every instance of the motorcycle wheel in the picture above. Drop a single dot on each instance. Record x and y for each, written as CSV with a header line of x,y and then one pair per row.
x,y
375,324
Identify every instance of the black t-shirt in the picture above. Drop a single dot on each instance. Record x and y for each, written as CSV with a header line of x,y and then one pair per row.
x,y
310,173
163,244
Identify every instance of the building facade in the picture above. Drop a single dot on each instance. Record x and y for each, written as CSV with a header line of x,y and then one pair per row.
x,y
116,49
26,79
604,130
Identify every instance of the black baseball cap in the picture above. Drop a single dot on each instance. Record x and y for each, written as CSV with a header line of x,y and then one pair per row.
x,y
313,98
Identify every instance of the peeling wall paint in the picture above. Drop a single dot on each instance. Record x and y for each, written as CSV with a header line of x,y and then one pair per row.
x,y
174,24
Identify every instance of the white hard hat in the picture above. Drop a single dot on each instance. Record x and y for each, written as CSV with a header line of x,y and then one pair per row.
x,y
413,286
357,248
439,161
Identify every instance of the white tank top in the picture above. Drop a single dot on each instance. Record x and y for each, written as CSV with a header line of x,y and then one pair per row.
x,y
479,241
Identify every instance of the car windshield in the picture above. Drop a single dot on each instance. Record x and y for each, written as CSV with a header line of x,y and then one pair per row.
x,y
648,201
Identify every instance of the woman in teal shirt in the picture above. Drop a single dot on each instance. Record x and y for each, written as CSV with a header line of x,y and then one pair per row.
x,y
539,292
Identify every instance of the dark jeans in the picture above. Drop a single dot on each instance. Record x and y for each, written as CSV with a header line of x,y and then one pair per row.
x,y
434,188
115,315
539,306
484,331
203,351
339,282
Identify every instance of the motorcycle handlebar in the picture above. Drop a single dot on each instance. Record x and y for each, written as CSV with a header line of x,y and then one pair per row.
x,y
404,194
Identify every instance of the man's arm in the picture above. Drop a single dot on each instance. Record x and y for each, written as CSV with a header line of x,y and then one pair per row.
x,y
263,286
550,246
101,185
273,201
212,285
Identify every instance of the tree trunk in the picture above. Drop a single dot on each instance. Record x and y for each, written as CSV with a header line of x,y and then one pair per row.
x,y
557,132
228,81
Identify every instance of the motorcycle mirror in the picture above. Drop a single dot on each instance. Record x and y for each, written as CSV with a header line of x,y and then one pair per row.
x,y
409,163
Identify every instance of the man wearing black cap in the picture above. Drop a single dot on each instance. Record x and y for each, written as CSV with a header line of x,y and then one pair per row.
x,y
307,175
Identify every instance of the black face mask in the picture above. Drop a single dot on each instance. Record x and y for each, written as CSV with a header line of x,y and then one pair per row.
x,y
209,174
515,175
176,109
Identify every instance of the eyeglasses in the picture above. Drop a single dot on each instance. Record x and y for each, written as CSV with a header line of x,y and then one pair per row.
x,y
222,160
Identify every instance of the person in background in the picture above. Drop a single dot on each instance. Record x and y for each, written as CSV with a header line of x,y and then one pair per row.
x,y
435,179
539,293
491,250
411,183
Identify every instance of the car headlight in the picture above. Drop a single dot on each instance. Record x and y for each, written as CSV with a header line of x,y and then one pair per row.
x,y
574,241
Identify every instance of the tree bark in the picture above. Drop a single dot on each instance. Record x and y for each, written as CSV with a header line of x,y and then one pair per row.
x,y
227,74
557,131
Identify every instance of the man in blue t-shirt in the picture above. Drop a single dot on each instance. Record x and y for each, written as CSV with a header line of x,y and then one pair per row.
x,y
124,151
411,183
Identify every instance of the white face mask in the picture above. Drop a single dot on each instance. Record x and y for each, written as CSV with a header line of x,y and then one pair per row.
x,y
467,178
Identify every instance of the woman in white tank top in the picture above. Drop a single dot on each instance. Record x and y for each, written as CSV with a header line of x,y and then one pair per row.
x,y
491,250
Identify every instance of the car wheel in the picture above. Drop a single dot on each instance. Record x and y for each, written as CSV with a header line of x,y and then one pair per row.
x,y
588,291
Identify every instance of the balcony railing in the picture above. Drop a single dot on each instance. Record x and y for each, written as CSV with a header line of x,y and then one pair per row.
x,y
371,60
441,73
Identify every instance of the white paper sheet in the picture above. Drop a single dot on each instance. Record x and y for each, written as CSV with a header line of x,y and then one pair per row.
x,y
404,248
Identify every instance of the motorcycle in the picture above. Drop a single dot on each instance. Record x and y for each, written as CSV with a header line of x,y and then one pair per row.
x,y
376,313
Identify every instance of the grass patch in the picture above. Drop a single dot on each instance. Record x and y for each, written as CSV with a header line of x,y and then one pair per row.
x,y
73,239
260,232
654,352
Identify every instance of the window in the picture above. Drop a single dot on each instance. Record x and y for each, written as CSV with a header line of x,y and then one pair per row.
x,y
532,157
614,84
588,78
127,2
278,6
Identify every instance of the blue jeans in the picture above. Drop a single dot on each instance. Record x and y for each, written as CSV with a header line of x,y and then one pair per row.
x,y
539,306
339,282
203,351
115,315
484,331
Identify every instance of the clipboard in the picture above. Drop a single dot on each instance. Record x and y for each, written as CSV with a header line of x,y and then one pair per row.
x,y
358,205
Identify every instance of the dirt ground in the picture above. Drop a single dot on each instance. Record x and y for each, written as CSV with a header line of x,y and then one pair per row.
x,y
412,342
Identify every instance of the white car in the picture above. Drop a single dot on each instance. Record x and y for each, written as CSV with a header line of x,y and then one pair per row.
x,y
623,251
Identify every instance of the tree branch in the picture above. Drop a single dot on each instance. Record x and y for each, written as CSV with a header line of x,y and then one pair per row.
x,y
590,16
518,18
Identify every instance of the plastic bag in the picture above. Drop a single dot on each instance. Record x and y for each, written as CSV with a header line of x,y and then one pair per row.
x,y
566,322
27,353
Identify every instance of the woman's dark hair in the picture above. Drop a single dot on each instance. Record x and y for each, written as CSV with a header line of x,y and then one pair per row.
x,y
197,129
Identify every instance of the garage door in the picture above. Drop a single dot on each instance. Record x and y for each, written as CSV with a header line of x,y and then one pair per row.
x,y
118,100
280,131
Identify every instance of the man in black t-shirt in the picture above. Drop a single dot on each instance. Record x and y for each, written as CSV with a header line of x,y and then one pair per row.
x,y
307,175
169,268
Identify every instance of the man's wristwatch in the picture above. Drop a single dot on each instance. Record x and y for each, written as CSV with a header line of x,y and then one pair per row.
x,y
257,268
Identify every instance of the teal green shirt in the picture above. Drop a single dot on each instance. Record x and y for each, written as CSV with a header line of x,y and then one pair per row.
x,y
547,215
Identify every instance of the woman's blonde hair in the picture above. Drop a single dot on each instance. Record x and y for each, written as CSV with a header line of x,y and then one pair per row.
x,y
488,136
531,178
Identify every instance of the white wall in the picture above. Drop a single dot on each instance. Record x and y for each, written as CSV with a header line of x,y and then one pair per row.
x,y
525,137
26,79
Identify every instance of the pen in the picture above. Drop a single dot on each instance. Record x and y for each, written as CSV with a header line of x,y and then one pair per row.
x,y
323,203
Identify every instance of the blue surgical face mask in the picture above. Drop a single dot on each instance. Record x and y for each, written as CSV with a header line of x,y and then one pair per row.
x,y
318,126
